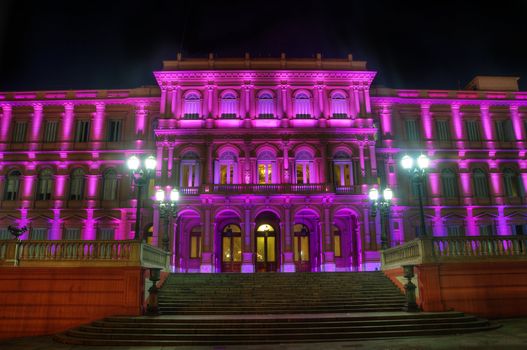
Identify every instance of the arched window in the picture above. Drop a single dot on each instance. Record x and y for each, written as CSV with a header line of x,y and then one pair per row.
x,y
192,105
302,105
231,244
226,169
513,185
481,183
265,106
342,169
109,185
45,182
449,183
190,170
266,167
12,185
337,241
229,105
304,168
77,184
339,105
195,242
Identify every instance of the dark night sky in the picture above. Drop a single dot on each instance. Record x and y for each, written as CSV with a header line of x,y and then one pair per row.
x,y
117,44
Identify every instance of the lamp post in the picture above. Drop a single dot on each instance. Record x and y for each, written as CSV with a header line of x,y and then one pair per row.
x,y
383,204
417,169
167,208
141,173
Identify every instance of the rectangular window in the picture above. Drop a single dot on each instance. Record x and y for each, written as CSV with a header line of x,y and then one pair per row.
x,y
264,173
443,130
50,131
82,132
504,130
71,234
473,130
412,130
20,132
39,234
5,234
114,131
106,234
519,229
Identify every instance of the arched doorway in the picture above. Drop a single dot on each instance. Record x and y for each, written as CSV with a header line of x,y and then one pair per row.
x,y
301,249
267,242
231,243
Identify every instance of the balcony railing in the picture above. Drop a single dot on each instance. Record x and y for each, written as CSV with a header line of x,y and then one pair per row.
x,y
456,249
81,253
268,189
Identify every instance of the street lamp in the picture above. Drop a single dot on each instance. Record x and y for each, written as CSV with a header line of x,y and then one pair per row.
x,y
383,204
417,169
141,173
167,209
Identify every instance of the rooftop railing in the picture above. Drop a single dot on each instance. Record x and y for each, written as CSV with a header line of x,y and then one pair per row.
x,y
456,249
81,253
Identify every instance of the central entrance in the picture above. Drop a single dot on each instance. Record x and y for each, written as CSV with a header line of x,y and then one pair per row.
x,y
265,248
267,241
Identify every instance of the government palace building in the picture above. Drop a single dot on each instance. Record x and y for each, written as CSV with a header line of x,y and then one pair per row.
x,y
273,159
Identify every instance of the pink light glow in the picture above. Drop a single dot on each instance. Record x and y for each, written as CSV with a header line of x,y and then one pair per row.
x,y
386,119
140,120
36,121
28,185
60,184
55,225
89,227
92,186
427,120
7,112
98,122
457,122
67,121
486,122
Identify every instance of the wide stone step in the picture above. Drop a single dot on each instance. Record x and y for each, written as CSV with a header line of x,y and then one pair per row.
x,y
228,301
277,311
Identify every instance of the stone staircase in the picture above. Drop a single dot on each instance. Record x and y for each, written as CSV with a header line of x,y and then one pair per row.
x,y
266,308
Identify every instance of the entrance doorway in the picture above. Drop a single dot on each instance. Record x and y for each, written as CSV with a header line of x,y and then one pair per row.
x,y
301,248
266,248
231,243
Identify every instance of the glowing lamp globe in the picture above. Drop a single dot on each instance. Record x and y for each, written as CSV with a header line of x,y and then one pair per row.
x,y
423,162
160,195
407,162
388,194
150,163
373,194
174,195
133,163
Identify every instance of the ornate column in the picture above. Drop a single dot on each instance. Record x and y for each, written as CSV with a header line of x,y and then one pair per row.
x,y
207,257
517,126
248,254
279,102
457,122
386,124
367,100
351,100
496,182
163,102
170,162
160,161
140,122
373,160
177,100
465,178
168,106
329,253
426,119
67,126
247,165
316,102
288,254
356,99
285,149
486,122
361,159
98,125
7,115
38,114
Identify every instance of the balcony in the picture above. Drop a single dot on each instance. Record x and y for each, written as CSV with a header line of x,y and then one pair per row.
x,y
268,189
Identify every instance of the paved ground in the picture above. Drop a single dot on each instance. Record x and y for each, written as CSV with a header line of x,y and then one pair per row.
x,y
512,335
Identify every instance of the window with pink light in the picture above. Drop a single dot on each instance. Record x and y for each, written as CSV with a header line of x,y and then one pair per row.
x,y
302,105
339,105
229,105
305,168
267,167
266,106
192,105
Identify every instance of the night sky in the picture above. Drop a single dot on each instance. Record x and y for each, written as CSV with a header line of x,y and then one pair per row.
x,y
117,44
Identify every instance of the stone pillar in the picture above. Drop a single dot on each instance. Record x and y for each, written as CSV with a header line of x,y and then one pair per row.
x,y
279,103
472,229
207,256
316,102
160,161
517,126
373,160
97,130
288,254
163,102
426,119
466,183
67,126
36,124
248,254
329,252
247,165
486,122
496,183
386,124
210,158
287,175
140,122
361,160
457,122
7,115
356,98
367,100
177,98
170,162
351,100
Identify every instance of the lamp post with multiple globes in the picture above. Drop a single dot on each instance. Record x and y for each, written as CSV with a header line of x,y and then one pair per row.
x,y
167,208
383,204
417,169
141,172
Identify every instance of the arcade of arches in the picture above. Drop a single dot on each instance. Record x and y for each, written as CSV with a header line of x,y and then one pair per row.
x,y
270,240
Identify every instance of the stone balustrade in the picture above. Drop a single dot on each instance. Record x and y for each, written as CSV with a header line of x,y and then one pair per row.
x,y
268,188
81,253
455,249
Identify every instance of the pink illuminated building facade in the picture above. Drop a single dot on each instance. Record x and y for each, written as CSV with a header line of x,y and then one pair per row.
x,y
273,159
